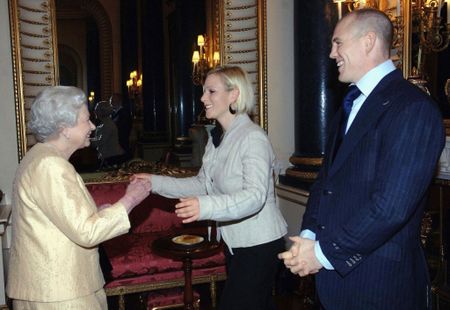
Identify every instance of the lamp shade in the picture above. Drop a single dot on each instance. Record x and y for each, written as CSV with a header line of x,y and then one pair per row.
x,y
216,56
200,40
195,57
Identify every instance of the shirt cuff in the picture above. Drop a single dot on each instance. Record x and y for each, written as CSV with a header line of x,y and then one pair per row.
x,y
308,234
321,257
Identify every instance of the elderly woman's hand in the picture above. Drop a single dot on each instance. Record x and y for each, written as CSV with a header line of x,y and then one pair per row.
x,y
188,209
137,190
141,176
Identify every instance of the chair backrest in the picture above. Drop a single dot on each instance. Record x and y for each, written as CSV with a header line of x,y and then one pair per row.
x,y
154,214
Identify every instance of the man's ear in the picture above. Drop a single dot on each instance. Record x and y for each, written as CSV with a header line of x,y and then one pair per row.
x,y
369,41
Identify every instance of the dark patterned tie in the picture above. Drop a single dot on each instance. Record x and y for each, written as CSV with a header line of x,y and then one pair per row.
x,y
352,93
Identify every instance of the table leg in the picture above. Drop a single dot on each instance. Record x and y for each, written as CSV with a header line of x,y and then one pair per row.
x,y
188,294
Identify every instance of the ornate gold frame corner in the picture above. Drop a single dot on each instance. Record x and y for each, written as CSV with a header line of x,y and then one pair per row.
x,y
39,40
262,51
17,80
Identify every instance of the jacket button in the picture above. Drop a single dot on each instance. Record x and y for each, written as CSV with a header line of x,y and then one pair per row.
x,y
321,227
327,192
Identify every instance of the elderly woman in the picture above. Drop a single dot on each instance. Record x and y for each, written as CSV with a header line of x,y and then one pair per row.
x,y
235,186
54,261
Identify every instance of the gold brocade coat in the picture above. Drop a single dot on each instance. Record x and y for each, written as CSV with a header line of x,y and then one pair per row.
x,y
55,230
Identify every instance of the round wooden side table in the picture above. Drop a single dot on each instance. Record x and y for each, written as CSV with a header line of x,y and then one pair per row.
x,y
166,247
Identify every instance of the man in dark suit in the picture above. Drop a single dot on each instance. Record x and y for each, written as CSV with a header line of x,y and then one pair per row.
x,y
360,231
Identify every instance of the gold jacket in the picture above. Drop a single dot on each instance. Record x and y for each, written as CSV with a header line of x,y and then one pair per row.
x,y
55,230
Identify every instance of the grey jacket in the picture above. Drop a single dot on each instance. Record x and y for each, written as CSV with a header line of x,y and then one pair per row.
x,y
235,186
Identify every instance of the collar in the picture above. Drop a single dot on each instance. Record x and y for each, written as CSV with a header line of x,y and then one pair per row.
x,y
371,79
218,134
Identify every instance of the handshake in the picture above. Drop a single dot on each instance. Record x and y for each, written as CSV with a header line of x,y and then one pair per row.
x,y
301,258
138,189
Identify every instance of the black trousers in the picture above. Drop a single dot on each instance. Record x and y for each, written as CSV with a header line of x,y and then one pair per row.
x,y
250,277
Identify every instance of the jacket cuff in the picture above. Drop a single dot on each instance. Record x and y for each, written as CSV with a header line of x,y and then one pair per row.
x,y
342,261
205,209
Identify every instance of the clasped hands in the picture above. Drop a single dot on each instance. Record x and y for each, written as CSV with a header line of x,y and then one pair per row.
x,y
137,190
300,258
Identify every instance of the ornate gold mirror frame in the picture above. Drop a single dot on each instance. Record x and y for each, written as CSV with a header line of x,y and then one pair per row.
x,y
34,54
407,34
243,43
241,25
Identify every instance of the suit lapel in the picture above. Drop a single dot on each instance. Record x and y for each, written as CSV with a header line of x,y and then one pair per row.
x,y
331,147
372,109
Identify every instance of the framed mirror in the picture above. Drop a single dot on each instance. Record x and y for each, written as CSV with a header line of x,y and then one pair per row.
x,y
41,59
243,43
34,57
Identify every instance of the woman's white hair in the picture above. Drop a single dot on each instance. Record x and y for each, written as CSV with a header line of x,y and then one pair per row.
x,y
55,108
235,77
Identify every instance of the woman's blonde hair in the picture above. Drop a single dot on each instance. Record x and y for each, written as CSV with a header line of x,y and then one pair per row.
x,y
235,77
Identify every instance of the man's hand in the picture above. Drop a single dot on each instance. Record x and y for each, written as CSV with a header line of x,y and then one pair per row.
x,y
301,258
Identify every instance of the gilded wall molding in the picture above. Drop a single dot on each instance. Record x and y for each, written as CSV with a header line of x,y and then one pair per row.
x,y
33,42
243,43
35,55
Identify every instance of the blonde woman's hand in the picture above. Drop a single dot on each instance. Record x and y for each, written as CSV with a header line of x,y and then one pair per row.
x,y
143,177
188,209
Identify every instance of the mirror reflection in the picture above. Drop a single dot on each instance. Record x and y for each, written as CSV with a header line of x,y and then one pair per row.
x,y
107,48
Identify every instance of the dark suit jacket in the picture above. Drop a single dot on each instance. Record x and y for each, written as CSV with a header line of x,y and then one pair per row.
x,y
367,203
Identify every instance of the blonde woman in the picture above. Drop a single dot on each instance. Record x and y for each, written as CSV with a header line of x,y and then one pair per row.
x,y
234,187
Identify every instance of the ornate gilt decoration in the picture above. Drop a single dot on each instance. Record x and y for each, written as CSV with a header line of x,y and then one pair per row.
x,y
306,175
121,291
310,161
139,166
243,43
33,42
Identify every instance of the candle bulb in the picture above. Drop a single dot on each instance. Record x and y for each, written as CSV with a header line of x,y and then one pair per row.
x,y
339,9
448,11
398,7
419,59
439,8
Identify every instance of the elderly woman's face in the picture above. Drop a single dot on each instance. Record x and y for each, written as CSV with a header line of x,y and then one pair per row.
x,y
79,134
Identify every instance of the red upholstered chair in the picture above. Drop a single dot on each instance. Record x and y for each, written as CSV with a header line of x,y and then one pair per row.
x,y
135,268
169,299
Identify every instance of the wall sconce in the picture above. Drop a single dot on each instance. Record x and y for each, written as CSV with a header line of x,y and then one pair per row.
x,y
359,4
394,13
434,34
134,85
201,63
